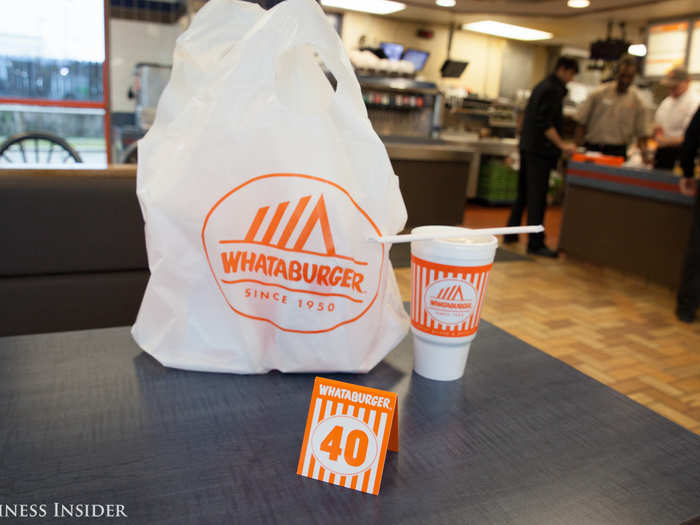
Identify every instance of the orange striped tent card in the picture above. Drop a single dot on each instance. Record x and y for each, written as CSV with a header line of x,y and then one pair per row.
x,y
348,431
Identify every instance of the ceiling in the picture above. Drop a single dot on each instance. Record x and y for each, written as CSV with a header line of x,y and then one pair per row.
x,y
574,27
637,9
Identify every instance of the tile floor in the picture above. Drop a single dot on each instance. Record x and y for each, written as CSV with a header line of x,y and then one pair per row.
x,y
618,329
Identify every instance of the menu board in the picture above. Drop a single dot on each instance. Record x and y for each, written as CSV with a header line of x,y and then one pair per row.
x,y
694,57
665,48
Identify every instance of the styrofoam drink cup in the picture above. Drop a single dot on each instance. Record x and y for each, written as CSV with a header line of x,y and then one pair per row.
x,y
448,284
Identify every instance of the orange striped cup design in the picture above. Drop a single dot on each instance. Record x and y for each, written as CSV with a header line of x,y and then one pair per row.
x,y
446,300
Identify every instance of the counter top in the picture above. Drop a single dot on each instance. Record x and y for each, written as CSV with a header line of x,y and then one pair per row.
x,y
642,182
485,146
428,151
448,147
423,148
471,138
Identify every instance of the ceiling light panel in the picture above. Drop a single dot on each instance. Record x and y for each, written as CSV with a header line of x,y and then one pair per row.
x,y
376,7
638,50
491,27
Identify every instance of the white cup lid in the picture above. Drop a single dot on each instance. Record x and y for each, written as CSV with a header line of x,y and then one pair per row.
x,y
483,246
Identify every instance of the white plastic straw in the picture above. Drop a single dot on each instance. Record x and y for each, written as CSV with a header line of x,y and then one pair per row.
x,y
457,233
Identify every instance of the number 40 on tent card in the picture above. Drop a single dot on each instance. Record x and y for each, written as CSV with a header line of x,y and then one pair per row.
x,y
348,431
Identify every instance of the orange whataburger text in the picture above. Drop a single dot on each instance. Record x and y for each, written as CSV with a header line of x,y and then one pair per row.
x,y
291,270
354,396
456,306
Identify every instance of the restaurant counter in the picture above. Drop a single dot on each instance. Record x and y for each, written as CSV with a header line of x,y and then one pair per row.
x,y
488,146
433,176
436,175
631,219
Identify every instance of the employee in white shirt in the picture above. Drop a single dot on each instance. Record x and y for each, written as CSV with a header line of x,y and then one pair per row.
x,y
673,116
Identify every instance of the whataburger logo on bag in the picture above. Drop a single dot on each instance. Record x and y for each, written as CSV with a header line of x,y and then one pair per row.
x,y
292,250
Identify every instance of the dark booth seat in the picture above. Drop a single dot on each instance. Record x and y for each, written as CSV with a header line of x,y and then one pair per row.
x,y
74,255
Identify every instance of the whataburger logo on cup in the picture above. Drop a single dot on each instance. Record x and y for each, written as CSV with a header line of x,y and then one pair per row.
x,y
447,299
450,301
292,250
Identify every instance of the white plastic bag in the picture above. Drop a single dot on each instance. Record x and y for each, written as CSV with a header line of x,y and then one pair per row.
x,y
260,186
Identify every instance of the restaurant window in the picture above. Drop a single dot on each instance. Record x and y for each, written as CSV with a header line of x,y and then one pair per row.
x,y
52,81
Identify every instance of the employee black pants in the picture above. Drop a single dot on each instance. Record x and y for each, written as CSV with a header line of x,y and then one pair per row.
x,y
533,183
689,291
665,158
616,150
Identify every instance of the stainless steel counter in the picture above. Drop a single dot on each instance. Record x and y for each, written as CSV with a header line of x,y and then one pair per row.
x,y
429,151
451,148
486,146
433,177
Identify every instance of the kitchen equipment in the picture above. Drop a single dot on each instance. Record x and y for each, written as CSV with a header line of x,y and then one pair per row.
x,y
149,82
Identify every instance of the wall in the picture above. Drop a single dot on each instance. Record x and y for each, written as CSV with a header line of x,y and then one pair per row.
x,y
132,42
541,67
484,53
516,69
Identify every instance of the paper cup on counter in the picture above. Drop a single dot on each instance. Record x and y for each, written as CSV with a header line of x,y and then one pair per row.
x,y
448,285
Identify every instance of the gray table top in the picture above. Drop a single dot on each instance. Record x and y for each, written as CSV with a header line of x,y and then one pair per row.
x,y
86,417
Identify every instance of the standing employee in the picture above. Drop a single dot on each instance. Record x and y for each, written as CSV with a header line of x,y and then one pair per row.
x,y
614,114
540,147
673,116
689,291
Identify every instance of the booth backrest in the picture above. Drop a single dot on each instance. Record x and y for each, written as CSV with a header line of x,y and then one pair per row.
x,y
60,224
73,253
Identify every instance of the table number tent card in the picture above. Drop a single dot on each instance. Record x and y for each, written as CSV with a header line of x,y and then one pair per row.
x,y
348,431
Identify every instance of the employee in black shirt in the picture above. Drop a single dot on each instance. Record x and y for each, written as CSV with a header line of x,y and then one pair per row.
x,y
689,292
540,147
